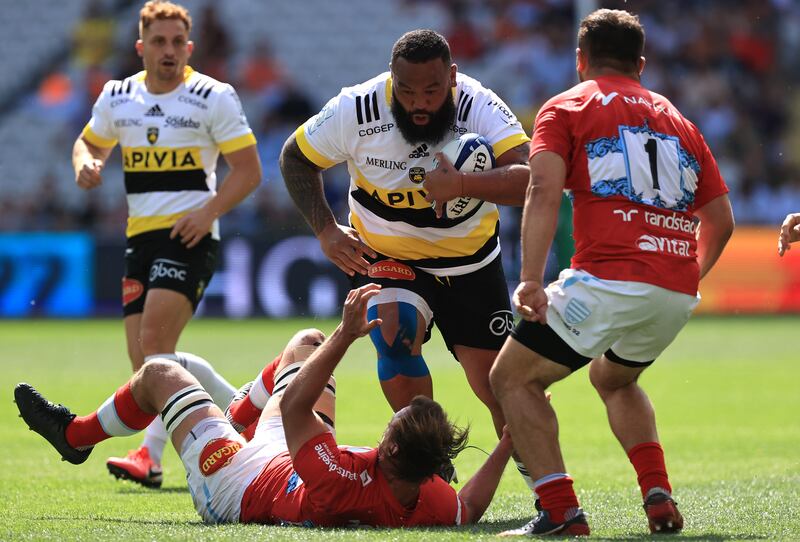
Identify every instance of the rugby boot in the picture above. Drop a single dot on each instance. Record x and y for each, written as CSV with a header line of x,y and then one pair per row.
x,y
49,420
662,512
137,467
542,525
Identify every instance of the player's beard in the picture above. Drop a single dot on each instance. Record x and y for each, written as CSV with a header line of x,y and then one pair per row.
x,y
432,133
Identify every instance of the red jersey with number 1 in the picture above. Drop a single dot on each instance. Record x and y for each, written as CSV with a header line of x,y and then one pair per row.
x,y
636,171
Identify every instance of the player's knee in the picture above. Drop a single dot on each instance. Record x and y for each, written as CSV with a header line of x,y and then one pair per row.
x,y
156,370
307,337
395,350
500,378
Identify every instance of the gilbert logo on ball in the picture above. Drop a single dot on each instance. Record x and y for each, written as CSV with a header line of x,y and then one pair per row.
x,y
469,153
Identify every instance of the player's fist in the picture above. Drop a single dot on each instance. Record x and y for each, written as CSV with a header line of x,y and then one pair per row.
x,y
530,300
790,232
88,175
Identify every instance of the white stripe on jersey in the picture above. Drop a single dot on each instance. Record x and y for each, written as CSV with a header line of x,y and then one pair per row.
x,y
164,203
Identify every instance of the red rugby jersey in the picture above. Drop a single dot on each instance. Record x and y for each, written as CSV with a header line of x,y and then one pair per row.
x,y
329,485
636,171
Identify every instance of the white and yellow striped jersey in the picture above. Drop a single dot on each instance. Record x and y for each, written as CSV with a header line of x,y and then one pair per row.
x,y
170,144
387,205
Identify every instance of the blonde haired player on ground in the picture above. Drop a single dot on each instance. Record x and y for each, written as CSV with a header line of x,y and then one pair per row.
x,y
171,124
641,178
292,471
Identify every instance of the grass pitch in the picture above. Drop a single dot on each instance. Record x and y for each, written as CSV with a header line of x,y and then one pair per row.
x,y
726,397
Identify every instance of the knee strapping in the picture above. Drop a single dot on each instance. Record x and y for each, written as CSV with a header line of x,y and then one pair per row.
x,y
181,404
396,358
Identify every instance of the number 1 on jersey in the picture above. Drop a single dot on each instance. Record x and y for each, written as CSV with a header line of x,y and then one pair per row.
x,y
652,152
653,166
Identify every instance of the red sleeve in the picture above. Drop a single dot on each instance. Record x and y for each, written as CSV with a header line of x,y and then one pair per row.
x,y
710,184
441,504
331,476
551,132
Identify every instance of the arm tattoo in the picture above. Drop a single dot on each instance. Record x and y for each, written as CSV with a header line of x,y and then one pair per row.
x,y
304,182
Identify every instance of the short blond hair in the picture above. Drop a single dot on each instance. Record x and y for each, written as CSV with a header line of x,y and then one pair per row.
x,y
156,10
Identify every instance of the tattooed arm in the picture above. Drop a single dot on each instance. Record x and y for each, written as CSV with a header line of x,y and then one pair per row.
x,y
341,244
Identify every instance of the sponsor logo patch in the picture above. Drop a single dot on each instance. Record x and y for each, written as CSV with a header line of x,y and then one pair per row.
x,y
154,111
216,454
163,268
192,101
501,323
132,290
653,243
420,152
390,269
127,123
386,164
417,175
181,122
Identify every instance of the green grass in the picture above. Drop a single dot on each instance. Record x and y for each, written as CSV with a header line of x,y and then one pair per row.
x,y
726,396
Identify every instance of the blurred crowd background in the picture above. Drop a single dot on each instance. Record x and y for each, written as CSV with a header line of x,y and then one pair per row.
x,y
731,66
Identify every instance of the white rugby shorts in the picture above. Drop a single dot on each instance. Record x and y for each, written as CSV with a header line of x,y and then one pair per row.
x,y
637,321
218,496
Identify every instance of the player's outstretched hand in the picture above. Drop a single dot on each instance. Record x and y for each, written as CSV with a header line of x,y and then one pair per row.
x,y
344,247
531,302
790,233
191,228
442,184
88,176
354,314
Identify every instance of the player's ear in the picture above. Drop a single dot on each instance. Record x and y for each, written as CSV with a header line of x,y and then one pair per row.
x,y
580,60
139,47
453,72
189,47
642,62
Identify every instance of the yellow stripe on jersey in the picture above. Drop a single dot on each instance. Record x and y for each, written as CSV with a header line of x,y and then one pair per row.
x,y
409,197
309,151
142,224
96,140
237,143
509,143
412,248
161,158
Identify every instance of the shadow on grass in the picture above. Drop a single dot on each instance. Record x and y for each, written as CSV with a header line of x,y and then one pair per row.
x,y
139,490
162,522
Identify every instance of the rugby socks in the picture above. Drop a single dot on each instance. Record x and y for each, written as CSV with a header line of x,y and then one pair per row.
x,y
523,471
221,390
155,440
557,496
648,460
118,416
245,412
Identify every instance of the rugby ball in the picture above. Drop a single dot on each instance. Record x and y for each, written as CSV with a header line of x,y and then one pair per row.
x,y
469,153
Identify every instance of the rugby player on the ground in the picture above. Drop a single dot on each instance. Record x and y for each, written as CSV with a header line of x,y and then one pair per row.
x,y
292,471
